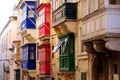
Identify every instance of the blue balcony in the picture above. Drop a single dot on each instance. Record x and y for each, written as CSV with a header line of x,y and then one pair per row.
x,y
28,15
29,56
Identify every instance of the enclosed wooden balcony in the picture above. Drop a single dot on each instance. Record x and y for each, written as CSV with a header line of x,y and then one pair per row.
x,y
29,56
44,22
66,12
66,52
44,58
28,15
102,22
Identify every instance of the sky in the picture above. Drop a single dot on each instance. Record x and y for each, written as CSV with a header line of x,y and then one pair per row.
x,y
6,7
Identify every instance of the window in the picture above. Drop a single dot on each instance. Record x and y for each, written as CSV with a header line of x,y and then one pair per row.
x,y
57,3
66,51
23,14
31,55
32,48
112,1
71,45
17,74
42,17
47,17
91,6
25,53
85,9
31,6
115,68
52,50
64,47
32,52
30,13
37,51
15,50
64,63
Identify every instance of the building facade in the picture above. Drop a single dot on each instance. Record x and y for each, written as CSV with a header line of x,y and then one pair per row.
x,y
7,36
65,25
62,40
100,30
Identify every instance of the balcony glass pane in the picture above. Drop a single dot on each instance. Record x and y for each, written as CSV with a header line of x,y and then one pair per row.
x,y
65,46
31,55
30,14
23,14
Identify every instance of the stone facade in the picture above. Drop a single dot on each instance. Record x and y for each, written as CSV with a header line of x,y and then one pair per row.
x,y
94,27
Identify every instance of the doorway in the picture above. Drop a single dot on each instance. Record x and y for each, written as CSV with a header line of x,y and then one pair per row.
x,y
98,69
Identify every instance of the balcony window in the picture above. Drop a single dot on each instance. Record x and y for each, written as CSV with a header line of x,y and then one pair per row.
x,y
30,14
64,47
90,6
44,14
42,19
23,14
31,55
66,50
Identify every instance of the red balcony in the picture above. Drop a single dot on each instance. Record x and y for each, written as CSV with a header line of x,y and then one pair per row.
x,y
44,58
44,23
44,14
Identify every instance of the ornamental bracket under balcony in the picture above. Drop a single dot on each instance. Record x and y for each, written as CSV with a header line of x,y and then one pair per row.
x,y
112,44
28,35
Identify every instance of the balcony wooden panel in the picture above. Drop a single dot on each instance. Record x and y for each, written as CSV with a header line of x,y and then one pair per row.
x,y
44,31
44,68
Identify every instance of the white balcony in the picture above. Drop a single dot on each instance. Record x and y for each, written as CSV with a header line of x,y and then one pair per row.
x,y
104,24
